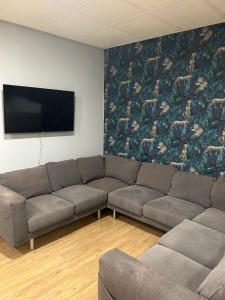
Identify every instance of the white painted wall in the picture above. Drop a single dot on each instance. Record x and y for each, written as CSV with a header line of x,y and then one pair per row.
x,y
33,58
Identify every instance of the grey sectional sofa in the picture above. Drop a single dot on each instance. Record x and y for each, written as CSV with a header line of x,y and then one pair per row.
x,y
188,263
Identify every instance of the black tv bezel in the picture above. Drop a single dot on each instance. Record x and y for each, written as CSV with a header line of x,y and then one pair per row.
x,y
34,131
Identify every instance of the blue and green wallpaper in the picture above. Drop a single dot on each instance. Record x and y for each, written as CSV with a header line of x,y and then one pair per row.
x,y
165,100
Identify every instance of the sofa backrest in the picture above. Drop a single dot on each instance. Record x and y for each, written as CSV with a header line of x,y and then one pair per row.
x,y
63,174
213,287
156,176
121,168
192,187
91,168
27,182
218,194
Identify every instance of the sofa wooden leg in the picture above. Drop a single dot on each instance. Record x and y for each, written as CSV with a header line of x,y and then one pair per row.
x,y
31,244
114,214
99,214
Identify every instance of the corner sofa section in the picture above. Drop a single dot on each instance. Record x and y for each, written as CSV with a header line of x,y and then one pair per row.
x,y
189,260
37,200
151,182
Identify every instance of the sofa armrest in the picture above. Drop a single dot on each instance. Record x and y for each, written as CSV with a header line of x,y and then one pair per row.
x,y
123,277
13,217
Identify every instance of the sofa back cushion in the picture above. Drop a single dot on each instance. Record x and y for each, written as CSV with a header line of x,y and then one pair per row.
x,y
156,176
121,168
192,187
91,168
213,287
63,173
218,194
27,182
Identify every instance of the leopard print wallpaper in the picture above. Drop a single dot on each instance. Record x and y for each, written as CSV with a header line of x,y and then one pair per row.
x,y
165,100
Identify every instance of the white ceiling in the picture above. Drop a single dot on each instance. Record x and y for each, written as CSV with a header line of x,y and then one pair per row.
x,y
109,23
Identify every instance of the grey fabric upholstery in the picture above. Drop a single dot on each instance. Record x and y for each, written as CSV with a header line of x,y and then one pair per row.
x,y
82,197
126,278
46,210
122,168
156,176
213,287
212,218
177,267
200,243
132,198
13,217
218,192
91,168
28,182
103,293
63,173
63,223
139,218
107,184
192,187
171,211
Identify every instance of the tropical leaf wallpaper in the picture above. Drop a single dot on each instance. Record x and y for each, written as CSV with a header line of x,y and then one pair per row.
x,y
165,100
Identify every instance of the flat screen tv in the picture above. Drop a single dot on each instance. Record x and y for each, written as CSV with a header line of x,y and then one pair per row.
x,y
28,109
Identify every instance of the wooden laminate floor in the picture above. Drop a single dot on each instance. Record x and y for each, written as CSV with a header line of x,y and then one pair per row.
x,y
64,264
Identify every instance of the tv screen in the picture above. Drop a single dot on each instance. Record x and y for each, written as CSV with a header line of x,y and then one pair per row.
x,y
28,109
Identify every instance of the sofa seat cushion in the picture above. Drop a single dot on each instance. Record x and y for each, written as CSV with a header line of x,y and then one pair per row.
x,y
156,176
181,269
213,287
198,242
91,167
29,182
63,173
132,198
107,184
124,169
212,218
47,210
171,211
82,197
192,187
